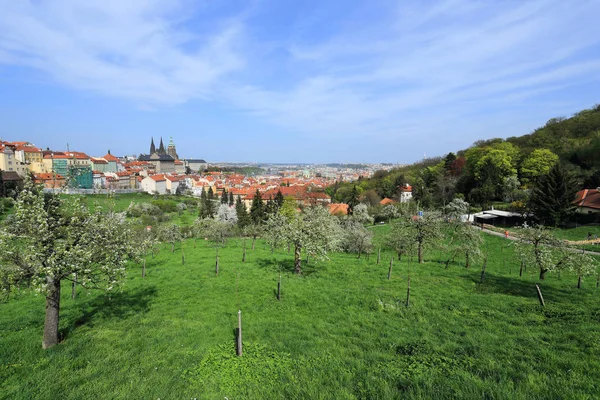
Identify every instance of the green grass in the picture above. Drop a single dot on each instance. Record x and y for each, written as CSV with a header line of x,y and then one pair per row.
x,y
341,331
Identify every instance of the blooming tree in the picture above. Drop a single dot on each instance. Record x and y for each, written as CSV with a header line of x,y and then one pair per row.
x,y
52,240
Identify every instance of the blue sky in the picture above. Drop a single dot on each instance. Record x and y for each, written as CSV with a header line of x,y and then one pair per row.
x,y
288,81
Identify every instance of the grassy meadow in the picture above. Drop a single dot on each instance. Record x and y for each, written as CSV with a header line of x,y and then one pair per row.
x,y
341,330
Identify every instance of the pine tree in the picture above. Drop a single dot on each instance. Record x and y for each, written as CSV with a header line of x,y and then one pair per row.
x,y
242,214
230,198
553,195
211,194
353,200
279,199
257,209
224,198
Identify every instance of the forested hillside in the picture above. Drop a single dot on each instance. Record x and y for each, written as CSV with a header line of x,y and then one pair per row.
x,y
496,169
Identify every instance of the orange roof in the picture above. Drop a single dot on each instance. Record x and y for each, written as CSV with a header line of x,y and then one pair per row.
x,y
45,176
338,209
98,160
110,157
157,178
387,201
28,149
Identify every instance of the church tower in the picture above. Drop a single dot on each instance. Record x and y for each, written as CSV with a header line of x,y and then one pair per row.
x,y
171,149
152,147
161,149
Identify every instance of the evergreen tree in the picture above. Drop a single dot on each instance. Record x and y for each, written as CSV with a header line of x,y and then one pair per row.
x,y
353,200
230,198
257,209
224,198
211,194
271,207
553,195
242,214
279,199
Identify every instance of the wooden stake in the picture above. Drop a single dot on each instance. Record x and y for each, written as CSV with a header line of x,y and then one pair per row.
x,y
390,270
279,288
239,335
244,255
408,293
483,270
598,281
540,297
217,266
182,257
378,256
144,268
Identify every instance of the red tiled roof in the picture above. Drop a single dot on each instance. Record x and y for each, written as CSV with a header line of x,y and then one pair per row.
x,y
387,201
110,157
98,160
338,209
589,198
45,176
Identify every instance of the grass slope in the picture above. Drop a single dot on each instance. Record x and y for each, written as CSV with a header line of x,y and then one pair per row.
x,y
341,331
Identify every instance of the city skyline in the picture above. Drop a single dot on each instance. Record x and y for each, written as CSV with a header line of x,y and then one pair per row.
x,y
282,83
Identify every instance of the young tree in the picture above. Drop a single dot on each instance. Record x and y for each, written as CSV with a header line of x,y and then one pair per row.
x,y
356,238
582,265
254,231
401,240
538,246
225,213
170,233
423,231
552,197
52,240
231,201
316,232
289,207
361,214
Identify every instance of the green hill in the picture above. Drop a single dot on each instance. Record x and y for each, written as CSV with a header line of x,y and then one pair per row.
x,y
479,173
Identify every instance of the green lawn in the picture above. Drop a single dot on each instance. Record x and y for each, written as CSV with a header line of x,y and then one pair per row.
x,y
341,331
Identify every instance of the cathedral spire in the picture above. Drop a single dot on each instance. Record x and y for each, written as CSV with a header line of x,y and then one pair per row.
x,y
161,149
152,147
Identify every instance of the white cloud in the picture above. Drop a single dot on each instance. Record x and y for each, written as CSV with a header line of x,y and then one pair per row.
x,y
132,49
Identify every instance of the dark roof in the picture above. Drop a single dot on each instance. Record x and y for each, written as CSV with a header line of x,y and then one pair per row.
x,y
156,157
195,160
9,176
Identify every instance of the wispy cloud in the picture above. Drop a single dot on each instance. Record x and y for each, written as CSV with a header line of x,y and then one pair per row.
x,y
132,49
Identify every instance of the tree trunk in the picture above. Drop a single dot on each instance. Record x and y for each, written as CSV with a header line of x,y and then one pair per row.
x,y
467,265
483,270
244,255
144,268
52,310
543,274
173,247
358,255
74,288
182,257
253,241
297,260
521,269
420,253
390,269
579,282
288,247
